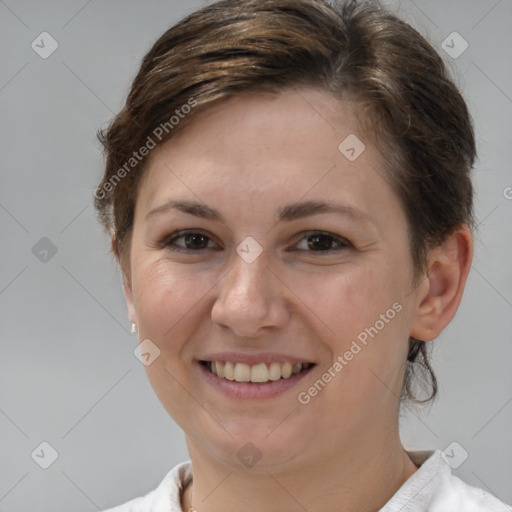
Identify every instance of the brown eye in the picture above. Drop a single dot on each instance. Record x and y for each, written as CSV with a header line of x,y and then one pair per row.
x,y
187,240
322,242
195,241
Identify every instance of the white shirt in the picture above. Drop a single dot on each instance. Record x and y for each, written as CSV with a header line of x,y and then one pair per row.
x,y
432,488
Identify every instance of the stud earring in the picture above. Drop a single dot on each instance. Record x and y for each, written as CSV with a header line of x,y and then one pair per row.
x,y
134,328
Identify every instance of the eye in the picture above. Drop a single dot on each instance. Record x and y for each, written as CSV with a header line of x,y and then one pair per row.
x,y
187,241
320,241
195,241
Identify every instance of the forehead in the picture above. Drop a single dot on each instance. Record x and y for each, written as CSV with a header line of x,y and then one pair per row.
x,y
268,149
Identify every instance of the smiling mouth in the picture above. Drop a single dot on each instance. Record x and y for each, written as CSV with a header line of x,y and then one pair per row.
x,y
260,373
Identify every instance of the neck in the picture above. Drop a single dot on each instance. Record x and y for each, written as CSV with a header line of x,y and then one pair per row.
x,y
361,479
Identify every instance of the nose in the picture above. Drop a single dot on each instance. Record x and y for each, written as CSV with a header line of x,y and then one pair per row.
x,y
251,299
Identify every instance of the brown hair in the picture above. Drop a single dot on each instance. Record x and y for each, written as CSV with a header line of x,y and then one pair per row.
x,y
413,112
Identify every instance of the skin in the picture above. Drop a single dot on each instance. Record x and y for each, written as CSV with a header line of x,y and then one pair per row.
x,y
248,157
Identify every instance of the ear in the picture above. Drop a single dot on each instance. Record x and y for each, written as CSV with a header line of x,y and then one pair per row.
x,y
127,286
132,313
439,296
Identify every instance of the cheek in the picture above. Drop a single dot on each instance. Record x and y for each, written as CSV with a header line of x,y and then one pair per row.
x,y
375,320
364,311
168,302
165,298
353,299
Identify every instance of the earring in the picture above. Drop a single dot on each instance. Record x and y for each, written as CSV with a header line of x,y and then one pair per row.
x,y
134,328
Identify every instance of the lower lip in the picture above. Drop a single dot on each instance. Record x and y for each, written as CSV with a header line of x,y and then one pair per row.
x,y
248,390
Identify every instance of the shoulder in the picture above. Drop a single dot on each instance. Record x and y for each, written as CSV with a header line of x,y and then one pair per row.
x,y
433,488
454,494
165,498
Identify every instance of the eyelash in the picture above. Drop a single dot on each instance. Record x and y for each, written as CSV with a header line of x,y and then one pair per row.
x,y
169,242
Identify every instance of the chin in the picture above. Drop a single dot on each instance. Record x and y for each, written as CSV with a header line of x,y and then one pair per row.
x,y
252,445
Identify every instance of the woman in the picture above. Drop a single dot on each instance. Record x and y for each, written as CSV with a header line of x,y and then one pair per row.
x,y
287,190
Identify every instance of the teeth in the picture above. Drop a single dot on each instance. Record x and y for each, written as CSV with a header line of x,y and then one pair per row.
x,y
242,372
261,372
286,370
296,368
229,370
275,371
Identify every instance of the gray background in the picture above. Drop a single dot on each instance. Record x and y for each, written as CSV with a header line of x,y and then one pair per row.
x,y
68,373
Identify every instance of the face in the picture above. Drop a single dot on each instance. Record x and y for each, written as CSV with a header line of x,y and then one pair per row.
x,y
259,250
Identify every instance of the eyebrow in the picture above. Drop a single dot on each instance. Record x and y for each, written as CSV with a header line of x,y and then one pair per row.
x,y
287,213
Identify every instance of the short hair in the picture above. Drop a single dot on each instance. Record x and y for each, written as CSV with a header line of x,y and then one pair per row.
x,y
410,109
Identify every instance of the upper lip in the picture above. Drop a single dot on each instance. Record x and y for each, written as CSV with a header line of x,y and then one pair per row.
x,y
252,359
